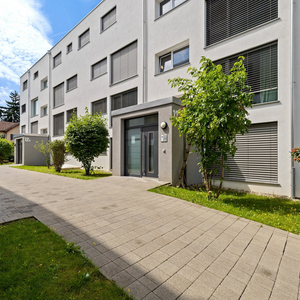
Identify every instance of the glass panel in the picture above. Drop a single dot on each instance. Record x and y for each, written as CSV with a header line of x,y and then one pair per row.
x,y
165,6
177,2
133,152
151,152
153,119
181,56
165,63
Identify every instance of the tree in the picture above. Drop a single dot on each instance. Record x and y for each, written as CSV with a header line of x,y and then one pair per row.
x,y
59,154
213,112
45,150
87,137
11,112
6,149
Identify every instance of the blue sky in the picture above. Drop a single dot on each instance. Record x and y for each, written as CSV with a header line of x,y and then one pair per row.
x,y
28,28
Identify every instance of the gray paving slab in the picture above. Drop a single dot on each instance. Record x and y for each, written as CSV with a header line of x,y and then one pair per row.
x,y
154,246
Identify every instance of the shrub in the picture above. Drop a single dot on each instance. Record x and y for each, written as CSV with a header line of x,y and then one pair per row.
x,y
45,150
296,154
59,154
87,138
6,149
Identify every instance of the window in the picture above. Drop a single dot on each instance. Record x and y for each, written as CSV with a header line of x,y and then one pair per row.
x,y
262,68
108,19
34,127
167,5
34,107
44,131
226,18
124,99
99,106
256,158
25,85
36,75
58,122
2,135
70,113
84,39
124,63
58,95
44,83
23,108
69,48
99,68
12,136
72,83
57,60
23,129
44,111
174,59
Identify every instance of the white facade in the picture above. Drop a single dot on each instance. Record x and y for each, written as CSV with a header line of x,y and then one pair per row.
x,y
156,35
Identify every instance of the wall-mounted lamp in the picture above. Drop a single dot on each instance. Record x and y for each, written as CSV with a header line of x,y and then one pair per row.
x,y
163,125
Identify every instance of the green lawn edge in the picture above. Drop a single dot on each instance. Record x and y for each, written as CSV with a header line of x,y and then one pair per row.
x,y
72,173
36,263
276,212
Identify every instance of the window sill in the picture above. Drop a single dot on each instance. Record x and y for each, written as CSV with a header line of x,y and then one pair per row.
x,y
98,76
69,52
265,103
34,116
44,89
241,33
56,65
183,65
72,89
108,27
83,45
171,10
58,106
112,84
44,116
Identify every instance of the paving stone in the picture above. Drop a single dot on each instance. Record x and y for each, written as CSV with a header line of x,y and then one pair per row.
x,y
179,282
166,291
123,279
110,270
189,273
137,290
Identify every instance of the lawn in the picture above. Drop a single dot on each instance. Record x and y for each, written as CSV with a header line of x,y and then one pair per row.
x,y
36,263
276,212
73,173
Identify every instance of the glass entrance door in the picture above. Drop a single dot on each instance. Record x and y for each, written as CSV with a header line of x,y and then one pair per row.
x,y
133,152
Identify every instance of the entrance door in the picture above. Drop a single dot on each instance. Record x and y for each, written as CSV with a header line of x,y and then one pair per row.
x,y
19,151
150,151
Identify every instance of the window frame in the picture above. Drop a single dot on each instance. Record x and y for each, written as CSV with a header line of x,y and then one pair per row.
x,y
122,95
54,124
68,51
55,57
37,123
25,85
23,127
98,62
79,39
42,111
42,83
172,59
102,29
173,6
36,75
68,117
23,110
34,106
63,89
67,83
98,101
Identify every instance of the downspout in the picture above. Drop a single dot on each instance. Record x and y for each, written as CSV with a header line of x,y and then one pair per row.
x,y
49,97
144,7
293,173
29,103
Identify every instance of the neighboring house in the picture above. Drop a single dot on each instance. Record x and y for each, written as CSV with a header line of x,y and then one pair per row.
x,y
8,130
119,58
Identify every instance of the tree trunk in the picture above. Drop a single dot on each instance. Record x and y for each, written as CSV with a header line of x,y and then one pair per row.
x,y
222,177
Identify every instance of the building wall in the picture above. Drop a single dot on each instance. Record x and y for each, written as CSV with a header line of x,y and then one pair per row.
x,y
184,25
14,130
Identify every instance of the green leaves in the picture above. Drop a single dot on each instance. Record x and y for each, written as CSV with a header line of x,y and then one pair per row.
x,y
6,149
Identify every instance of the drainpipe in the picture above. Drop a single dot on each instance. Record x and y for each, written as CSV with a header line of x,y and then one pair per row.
x,y
29,103
293,172
144,7
49,97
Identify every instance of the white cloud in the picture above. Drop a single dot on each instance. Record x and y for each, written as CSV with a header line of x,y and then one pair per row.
x,y
23,37
4,93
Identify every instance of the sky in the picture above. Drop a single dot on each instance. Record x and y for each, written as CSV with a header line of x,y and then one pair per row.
x,y
28,29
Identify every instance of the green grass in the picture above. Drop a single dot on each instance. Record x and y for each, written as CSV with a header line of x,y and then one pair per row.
x,y
36,263
276,212
75,173
5,164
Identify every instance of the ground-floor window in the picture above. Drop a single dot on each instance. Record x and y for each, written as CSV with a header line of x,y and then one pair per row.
x,y
256,159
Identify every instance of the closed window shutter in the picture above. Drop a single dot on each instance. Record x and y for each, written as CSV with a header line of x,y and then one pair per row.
x,y
262,71
99,106
256,159
99,68
57,60
124,63
59,95
59,124
84,38
109,19
34,127
72,83
225,18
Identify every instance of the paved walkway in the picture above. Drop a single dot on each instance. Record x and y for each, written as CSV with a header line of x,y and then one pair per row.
x,y
157,246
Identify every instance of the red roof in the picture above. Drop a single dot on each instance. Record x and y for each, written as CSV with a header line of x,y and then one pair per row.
x,y
6,126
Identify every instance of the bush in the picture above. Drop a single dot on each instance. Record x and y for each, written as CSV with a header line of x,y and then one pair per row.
x,y
6,149
87,138
45,150
59,154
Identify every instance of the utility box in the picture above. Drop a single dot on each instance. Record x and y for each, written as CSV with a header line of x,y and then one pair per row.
x,y
25,153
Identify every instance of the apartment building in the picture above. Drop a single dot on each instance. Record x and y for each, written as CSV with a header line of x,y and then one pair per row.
x,y
119,58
